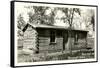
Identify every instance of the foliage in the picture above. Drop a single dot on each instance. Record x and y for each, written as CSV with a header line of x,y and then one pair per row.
x,y
69,13
89,19
93,22
20,24
39,16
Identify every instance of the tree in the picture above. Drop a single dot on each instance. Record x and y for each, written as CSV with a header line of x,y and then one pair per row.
x,y
93,22
40,17
51,17
69,13
20,24
89,19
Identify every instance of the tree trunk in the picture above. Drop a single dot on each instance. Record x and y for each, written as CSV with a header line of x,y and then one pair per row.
x,y
70,39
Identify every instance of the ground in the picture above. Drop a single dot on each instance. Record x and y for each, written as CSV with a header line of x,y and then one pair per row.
x,y
28,56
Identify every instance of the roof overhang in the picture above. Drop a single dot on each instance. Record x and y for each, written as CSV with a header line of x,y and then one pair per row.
x,y
41,26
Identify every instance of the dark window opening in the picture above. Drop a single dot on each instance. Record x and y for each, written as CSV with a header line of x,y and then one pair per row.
x,y
52,36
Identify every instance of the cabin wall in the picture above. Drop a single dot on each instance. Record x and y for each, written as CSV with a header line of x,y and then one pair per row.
x,y
62,40
79,40
40,39
45,44
82,39
59,42
30,38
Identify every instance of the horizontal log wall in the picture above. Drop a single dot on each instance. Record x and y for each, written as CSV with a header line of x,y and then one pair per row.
x,y
30,38
44,44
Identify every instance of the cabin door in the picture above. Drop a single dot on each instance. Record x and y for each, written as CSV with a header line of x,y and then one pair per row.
x,y
65,39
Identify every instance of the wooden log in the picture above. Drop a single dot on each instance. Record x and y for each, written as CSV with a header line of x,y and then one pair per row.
x,y
42,41
44,37
43,44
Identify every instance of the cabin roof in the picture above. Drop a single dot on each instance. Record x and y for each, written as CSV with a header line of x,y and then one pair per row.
x,y
48,26
51,27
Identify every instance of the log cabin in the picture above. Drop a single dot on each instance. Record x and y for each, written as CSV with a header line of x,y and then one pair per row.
x,y
40,38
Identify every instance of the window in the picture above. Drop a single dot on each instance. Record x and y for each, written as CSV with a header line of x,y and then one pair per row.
x,y
52,36
59,33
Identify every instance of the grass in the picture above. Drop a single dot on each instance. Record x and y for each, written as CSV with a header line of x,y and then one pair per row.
x,y
54,56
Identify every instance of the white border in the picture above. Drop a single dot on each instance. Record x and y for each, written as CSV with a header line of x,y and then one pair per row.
x,y
50,62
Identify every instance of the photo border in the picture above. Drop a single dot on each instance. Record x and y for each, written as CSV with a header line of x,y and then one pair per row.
x,y
12,34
